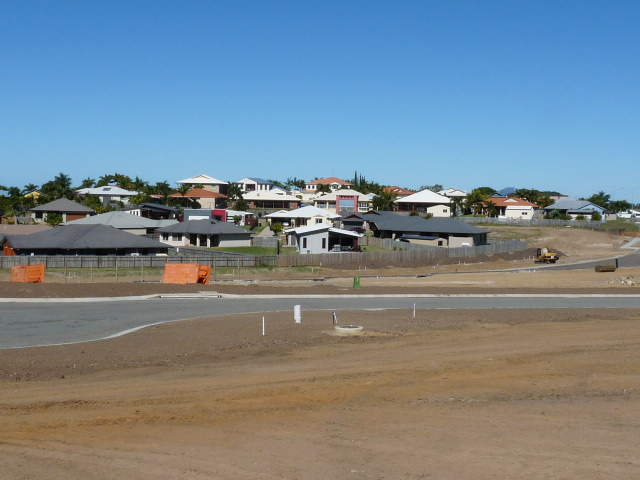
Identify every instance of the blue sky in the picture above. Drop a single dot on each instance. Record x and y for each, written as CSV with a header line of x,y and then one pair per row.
x,y
533,94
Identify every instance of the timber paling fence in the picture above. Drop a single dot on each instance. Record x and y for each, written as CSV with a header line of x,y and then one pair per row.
x,y
405,254
538,222
141,262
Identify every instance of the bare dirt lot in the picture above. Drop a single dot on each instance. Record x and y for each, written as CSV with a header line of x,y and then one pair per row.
x,y
448,394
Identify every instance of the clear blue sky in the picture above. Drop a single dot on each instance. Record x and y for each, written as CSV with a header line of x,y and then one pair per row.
x,y
533,94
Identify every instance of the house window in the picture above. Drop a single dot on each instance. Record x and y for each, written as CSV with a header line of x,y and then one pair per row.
x,y
318,220
324,243
304,242
165,236
178,237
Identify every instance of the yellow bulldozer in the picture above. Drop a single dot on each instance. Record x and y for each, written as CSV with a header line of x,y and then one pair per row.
x,y
545,255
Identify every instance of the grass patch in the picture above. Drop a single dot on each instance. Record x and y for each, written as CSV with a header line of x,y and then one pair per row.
x,y
620,224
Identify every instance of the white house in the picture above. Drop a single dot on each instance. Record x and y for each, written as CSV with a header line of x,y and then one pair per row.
x,y
254,185
344,200
208,183
426,201
322,238
303,216
108,194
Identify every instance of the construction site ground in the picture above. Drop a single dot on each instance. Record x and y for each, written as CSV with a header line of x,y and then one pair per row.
x,y
447,394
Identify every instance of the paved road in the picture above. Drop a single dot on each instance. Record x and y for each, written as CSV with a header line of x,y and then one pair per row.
x,y
46,323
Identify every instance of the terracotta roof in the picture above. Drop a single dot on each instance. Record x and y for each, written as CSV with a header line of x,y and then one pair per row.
x,y
328,180
511,202
198,193
398,190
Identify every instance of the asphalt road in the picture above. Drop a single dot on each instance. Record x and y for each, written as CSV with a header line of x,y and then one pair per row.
x,y
47,323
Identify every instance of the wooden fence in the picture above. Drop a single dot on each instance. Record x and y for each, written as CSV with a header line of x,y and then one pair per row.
x,y
538,222
117,262
404,255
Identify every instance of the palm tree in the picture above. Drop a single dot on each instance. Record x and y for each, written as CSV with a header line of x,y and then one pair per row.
x,y
323,188
384,201
88,183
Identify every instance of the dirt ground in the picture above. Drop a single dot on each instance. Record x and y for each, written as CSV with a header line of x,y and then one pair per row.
x,y
447,394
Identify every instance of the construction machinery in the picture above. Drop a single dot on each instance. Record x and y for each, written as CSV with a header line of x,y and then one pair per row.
x,y
545,255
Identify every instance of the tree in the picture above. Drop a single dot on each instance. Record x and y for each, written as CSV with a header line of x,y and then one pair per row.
x,y
491,208
59,187
617,206
88,183
457,204
54,218
295,183
475,200
601,199
234,193
323,188
434,188
384,201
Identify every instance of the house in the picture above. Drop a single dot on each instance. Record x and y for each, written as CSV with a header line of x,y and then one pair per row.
x,y
334,183
513,207
68,209
322,238
205,233
206,182
206,198
255,185
124,221
426,201
344,201
108,194
399,192
574,208
220,214
82,240
300,217
453,193
154,211
274,199
450,232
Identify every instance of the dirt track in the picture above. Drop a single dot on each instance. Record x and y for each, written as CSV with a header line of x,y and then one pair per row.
x,y
445,395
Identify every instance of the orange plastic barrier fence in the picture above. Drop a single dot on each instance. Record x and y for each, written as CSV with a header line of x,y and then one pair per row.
x,y
28,273
184,273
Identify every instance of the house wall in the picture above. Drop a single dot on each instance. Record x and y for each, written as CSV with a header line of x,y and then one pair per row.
x,y
314,242
523,213
455,242
439,210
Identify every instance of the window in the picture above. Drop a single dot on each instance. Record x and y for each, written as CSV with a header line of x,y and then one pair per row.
x,y
324,243
304,242
318,220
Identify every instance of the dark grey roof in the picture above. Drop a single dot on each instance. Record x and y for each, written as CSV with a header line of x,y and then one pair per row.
x,y
205,227
80,237
160,207
63,205
452,225
400,223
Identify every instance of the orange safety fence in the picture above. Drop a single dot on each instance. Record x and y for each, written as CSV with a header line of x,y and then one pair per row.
x,y
28,273
184,273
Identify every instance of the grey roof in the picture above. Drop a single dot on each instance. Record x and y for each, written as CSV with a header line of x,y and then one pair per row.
x,y
63,205
391,221
80,237
121,220
568,203
205,227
